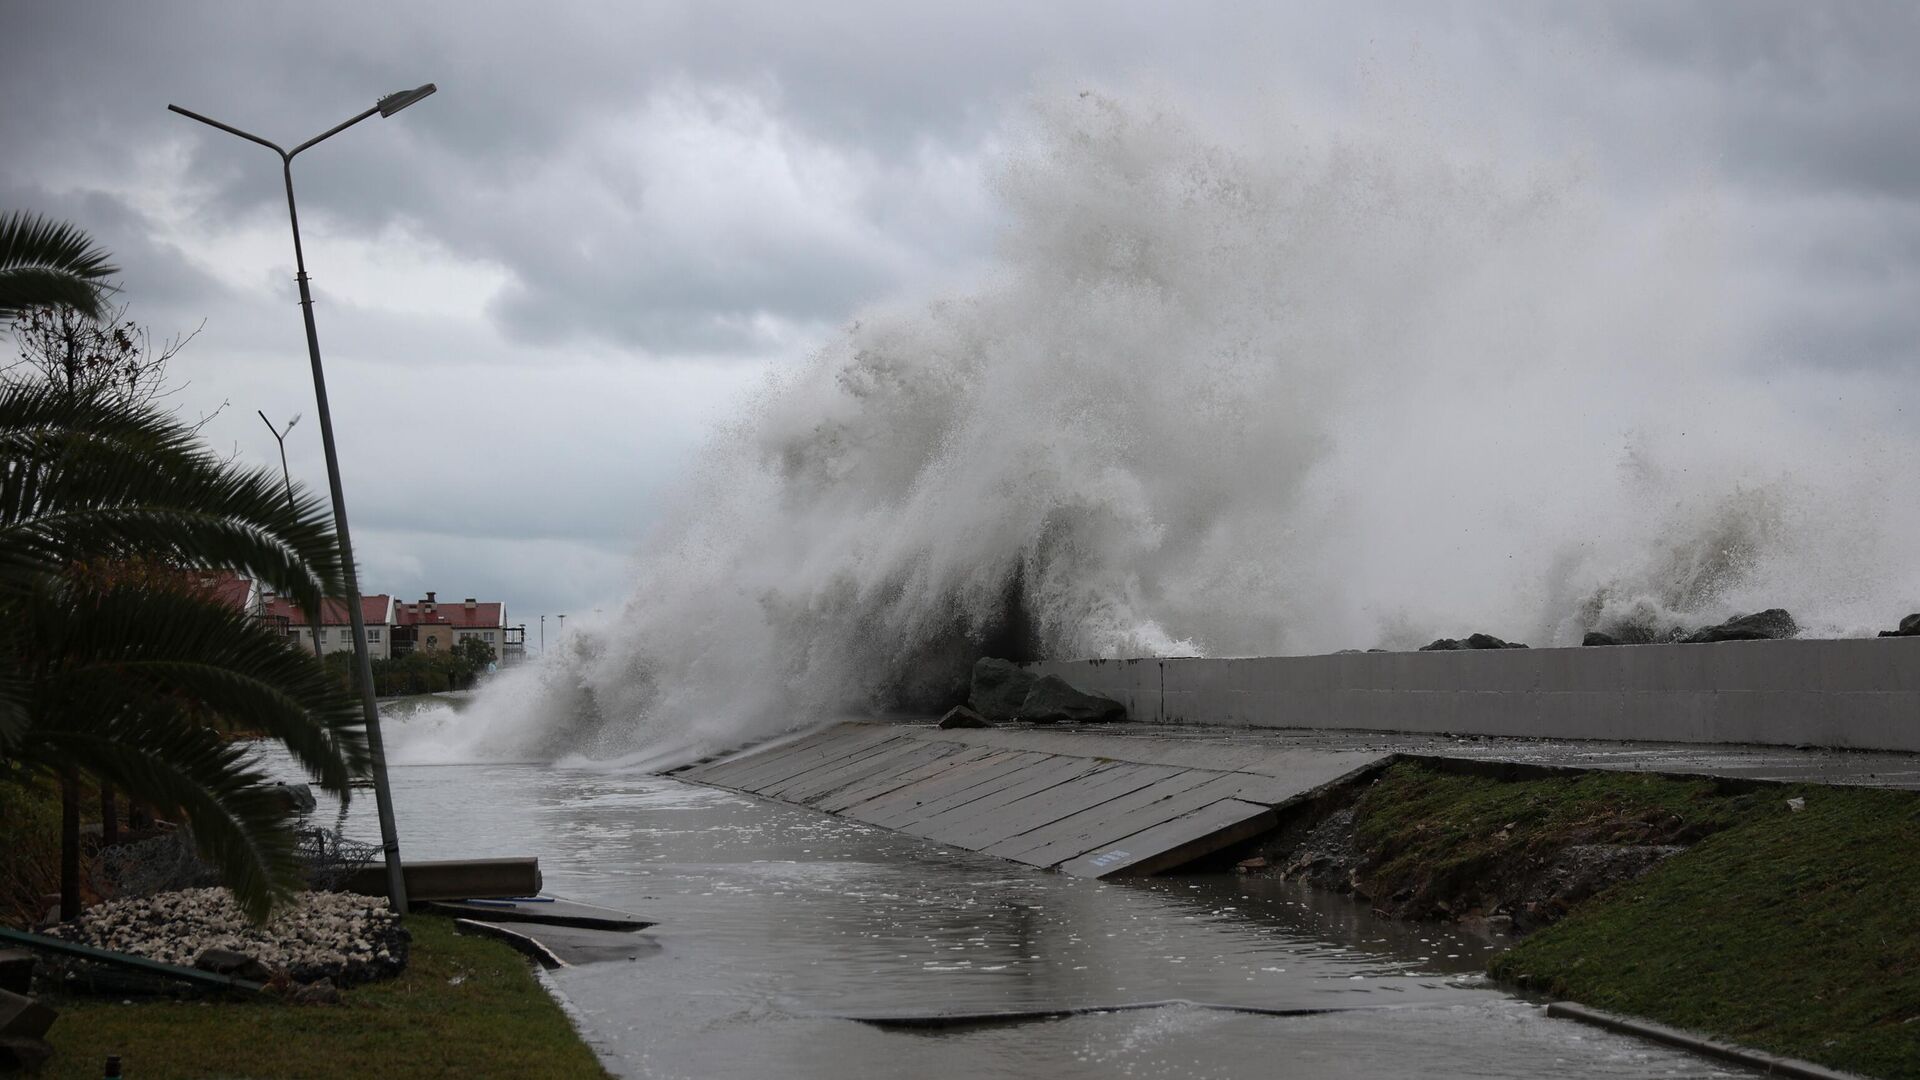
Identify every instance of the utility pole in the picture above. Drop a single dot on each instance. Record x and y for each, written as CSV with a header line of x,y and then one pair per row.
x,y
376,745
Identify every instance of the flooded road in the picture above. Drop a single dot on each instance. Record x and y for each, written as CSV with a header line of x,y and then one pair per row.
x,y
778,924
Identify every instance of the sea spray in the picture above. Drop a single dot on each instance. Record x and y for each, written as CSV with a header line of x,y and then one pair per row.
x,y
1230,393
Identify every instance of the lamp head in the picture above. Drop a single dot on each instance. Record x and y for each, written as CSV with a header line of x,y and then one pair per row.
x,y
400,99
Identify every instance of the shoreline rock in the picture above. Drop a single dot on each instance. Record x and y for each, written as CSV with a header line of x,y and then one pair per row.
x,y
1909,627
1471,641
1002,691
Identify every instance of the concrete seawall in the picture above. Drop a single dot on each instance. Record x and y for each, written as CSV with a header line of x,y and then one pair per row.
x,y
1850,693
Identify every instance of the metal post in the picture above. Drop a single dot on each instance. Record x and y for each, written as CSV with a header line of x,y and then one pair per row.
x,y
362,657
363,661
281,438
313,618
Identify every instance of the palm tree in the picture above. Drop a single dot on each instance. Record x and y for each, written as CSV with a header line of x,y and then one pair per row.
x,y
112,662
49,264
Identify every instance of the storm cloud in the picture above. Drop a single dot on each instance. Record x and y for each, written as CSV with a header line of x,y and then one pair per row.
x,y
541,287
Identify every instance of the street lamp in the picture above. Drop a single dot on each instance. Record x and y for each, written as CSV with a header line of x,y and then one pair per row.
x,y
363,662
280,436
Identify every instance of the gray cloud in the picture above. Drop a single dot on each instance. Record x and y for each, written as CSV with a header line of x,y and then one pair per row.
x,y
649,202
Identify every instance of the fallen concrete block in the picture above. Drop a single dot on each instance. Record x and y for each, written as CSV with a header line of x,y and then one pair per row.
x,y
21,1017
453,879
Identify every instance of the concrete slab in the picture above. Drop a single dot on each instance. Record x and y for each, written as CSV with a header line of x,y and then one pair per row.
x,y
833,760
545,911
944,756
753,771
1052,804
1021,770
962,775
836,774
1176,842
1033,845
1110,823
949,826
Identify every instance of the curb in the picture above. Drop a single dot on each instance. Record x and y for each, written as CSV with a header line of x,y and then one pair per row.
x,y
521,943
1771,1064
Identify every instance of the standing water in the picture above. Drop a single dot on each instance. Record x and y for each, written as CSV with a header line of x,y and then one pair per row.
x,y
776,924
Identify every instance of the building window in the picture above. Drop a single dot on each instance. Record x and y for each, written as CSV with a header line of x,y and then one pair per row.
x,y
489,636
373,635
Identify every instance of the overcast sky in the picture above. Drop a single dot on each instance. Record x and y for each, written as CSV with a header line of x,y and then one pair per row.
x,y
538,289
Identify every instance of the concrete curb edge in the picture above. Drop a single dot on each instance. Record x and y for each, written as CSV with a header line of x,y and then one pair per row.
x,y
1771,1064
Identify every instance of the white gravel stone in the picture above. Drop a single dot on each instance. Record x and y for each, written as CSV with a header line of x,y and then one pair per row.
x,y
341,936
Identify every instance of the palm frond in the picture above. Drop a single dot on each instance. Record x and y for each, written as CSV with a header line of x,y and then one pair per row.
x,y
46,263
240,824
82,477
138,648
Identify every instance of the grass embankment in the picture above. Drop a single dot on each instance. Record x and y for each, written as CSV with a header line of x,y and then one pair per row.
x,y
464,1007
1796,932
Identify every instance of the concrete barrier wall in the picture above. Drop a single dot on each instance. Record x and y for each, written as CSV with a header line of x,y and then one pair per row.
x,y
1855,693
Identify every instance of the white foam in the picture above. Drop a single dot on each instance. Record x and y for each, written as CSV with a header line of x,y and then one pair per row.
x,y
1266,392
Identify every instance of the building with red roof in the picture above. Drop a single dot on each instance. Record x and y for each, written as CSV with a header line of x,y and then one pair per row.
x,y
336,629
228,589
428,625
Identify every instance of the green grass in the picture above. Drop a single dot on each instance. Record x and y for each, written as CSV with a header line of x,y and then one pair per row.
x,y
1435,842
1797,933
464,1007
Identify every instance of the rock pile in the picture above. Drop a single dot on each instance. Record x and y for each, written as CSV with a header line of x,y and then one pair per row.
x,y
1909,627
338,936
1003,691
1471,641
1769,625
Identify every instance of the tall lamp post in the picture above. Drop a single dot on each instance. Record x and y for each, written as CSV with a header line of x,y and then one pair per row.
x,y
280,436
376,746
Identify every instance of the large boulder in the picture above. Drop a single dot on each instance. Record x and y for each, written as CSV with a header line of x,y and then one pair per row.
x,y
1909,627
1053,701
1769,625
1471,641
999,688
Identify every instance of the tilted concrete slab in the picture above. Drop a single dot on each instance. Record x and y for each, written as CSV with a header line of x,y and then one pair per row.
x,y
1176,842
1086,802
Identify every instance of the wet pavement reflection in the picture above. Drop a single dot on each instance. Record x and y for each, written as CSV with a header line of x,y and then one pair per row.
x,y
777,924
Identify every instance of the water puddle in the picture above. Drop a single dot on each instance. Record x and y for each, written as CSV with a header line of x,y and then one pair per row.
x,y
778,924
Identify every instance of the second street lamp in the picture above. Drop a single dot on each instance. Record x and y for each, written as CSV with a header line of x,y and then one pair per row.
x,y
363,662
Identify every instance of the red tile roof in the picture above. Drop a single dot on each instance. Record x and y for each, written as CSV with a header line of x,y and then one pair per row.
x,y
333,611
490,614
224,587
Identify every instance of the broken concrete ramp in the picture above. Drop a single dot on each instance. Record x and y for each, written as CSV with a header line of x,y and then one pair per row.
x,y
1088,804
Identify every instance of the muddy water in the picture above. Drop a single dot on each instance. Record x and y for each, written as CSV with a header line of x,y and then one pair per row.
x,y
777,924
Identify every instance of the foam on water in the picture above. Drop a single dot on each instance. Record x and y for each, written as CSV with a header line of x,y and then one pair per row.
x,y
1279,389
